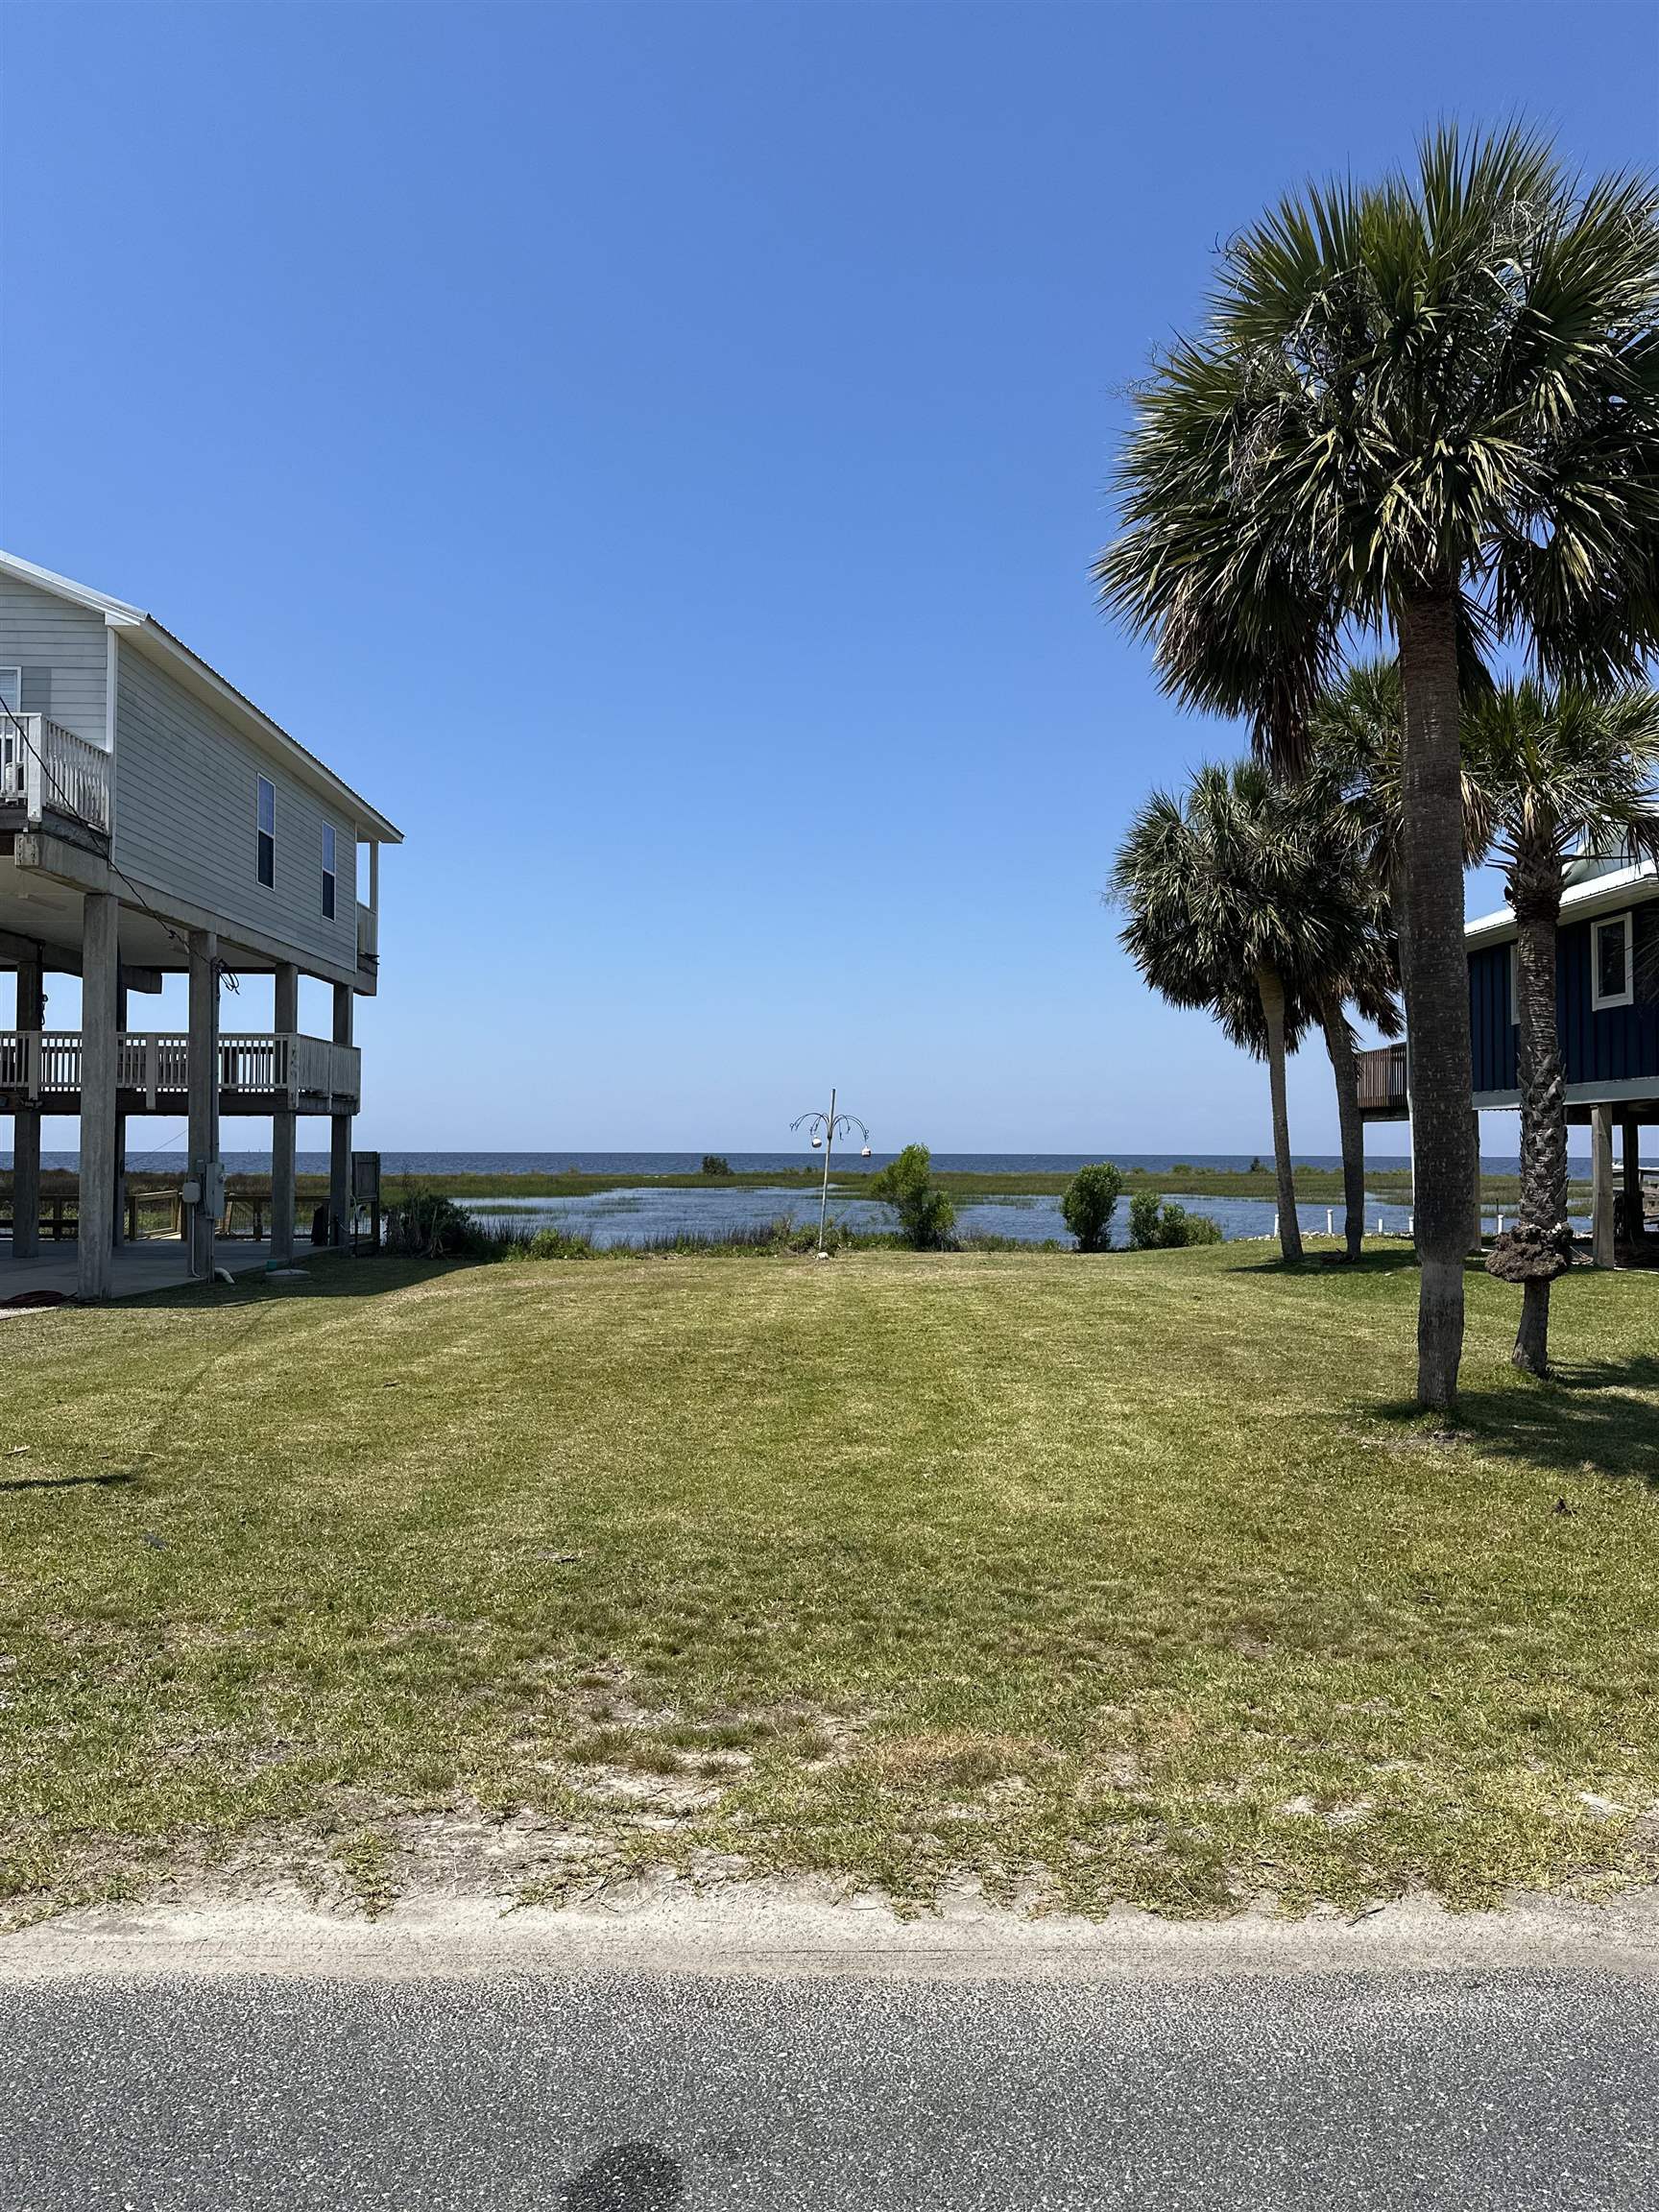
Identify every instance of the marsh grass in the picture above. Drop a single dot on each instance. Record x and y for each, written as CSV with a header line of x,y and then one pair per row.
x,y
1118,1577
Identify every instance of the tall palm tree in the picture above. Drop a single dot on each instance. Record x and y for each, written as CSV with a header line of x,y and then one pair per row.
x,y
1365,970
1555,773
1354,742
1241,899
1429,407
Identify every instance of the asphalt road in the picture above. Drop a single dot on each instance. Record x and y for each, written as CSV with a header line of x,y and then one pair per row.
x,y
646,2094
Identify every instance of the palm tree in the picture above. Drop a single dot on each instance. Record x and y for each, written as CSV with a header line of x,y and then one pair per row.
x,y
1430,407
1365,970
1242,898
1556,773
1353,741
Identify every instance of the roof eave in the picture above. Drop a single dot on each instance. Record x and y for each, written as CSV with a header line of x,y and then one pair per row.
x,y
155,639
1627,886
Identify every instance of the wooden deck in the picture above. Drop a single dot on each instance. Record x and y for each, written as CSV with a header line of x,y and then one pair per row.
x,y
1383,1096
259,1072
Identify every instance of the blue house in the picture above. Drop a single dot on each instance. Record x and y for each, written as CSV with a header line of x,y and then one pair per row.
x,y
1607,1009
1606,994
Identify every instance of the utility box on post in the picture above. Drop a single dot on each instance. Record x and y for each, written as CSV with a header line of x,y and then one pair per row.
x,y
366,1198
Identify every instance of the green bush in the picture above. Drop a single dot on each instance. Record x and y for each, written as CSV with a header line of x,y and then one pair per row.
x,y
925,1214
716,1163
431,1225
1088,1204
1156,1227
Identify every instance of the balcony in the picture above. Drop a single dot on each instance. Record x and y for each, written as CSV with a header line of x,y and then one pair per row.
x,y
259,1073
53,775
1383,1083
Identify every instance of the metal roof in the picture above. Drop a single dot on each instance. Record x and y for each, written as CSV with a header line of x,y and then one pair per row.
x,y
1626,884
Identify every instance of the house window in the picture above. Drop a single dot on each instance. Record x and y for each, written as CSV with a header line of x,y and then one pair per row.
x,y
266,810
11,735
328,870
1610,977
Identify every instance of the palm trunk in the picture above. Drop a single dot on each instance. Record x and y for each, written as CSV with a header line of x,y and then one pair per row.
x,y
1537,889
1434,970
1532,1338
1272,992
1345,1069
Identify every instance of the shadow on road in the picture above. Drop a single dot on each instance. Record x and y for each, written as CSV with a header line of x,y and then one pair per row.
x,y
628,2177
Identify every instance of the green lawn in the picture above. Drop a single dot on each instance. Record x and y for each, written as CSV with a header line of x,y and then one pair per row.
x,y
1115,1578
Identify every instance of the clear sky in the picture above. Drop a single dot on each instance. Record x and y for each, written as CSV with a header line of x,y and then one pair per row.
x,y
656,453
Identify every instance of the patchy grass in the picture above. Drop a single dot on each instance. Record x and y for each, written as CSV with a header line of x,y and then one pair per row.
x,y
1113,1577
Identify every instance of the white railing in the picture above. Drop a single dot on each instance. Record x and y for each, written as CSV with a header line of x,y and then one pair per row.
x,y
368,932
42,1063
323,1069
47,770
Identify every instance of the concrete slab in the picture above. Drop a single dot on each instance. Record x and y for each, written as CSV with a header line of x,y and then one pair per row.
x,y
158,1263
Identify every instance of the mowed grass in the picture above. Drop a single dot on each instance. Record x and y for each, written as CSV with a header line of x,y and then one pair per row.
x,y
1123,1577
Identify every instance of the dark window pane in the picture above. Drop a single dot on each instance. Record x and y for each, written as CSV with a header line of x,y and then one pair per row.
x,y
267,860
1610,960
328,898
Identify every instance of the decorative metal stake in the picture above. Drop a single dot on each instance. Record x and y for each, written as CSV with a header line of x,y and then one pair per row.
x,y
824,1129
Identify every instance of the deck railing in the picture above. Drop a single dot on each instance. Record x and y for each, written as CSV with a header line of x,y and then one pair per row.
x,y
1382,1079
43,1063
48,770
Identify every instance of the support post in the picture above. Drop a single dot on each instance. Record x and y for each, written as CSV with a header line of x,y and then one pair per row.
x,y
119,1224
100,960
340,1133
1476,1237
26,1127
1602,1184
203,1075
284,1128
1635,1228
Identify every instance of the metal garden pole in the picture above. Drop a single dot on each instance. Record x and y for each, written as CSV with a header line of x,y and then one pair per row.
x,y
824,1129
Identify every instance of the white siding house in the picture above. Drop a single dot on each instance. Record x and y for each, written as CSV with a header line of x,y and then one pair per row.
x,y
153,820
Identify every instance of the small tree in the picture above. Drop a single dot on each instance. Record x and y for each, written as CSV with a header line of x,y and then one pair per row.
x,y
1158,1227
716,1163
1088,1203
925,1214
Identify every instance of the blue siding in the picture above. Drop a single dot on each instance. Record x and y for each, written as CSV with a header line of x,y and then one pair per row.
x,y
1491,1019
1619,1044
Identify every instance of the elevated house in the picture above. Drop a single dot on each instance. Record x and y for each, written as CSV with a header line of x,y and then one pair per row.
x,y
1607,1008
153,820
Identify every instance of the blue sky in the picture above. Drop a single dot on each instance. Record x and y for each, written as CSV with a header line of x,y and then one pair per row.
x,y
656,453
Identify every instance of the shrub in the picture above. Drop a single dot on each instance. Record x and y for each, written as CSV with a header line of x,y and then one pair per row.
x,y
925,1214
431,1224
1154,1227
1088,1203
716,1163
